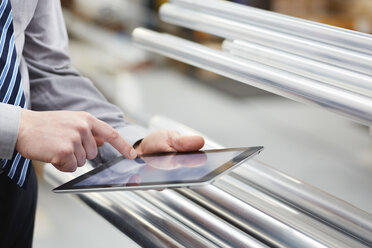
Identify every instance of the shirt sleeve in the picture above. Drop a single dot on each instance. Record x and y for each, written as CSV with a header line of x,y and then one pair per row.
x,y
55,85
9,123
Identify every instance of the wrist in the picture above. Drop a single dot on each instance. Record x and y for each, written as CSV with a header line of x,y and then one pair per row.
x,y
24,120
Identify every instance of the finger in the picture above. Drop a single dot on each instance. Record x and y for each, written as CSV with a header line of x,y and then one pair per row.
x,y
106,133
89,145
69,164
80,154
99,142
186,143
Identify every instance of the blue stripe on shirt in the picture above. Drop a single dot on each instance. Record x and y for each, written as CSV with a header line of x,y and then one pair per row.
x,y
14,165
22,178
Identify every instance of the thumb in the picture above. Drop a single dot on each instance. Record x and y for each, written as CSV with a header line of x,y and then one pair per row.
x,y
186,143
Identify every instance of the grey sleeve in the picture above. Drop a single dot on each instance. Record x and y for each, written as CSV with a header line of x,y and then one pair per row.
x,y
9,123
55,85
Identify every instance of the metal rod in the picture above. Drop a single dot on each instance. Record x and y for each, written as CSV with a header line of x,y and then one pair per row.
x,y
200,220
334,211
327,208
166,218
286,24
140,221
250,219
287,214
353,105
233,30
326,73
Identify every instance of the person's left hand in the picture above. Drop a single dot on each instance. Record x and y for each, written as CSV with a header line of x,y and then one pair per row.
x,y
168,141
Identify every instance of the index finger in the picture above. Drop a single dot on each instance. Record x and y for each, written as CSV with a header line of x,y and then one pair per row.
x,y
106,133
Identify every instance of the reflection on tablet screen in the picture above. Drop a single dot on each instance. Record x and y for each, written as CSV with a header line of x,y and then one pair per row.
x,y
158,169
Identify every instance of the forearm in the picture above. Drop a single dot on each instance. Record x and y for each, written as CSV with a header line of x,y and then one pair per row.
x,y
55,85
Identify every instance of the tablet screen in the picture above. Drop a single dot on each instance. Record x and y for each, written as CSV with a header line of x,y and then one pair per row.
x,y
162,169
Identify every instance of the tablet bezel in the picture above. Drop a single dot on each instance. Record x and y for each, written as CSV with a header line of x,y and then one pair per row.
x,y
247,153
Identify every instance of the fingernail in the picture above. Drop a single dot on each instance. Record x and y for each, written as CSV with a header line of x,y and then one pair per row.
x,y
133,153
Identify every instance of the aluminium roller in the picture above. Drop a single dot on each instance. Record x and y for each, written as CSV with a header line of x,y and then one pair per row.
x,y
147,226
282,23
289,191
166,218
323,72
290,85
285,197
192,215
236,30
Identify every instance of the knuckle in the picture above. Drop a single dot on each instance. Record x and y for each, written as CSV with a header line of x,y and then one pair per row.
x,y
65,166
92,154
86,115
75,138
81,162
56,161
65,151
58,167
113,135
82,126
70,166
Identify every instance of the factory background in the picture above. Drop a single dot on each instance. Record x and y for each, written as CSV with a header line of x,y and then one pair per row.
x,y
320,148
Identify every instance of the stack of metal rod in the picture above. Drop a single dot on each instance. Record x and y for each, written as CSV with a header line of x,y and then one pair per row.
x,y
255,205
298,59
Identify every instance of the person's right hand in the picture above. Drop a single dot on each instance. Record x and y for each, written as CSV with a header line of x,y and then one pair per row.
x,y
66,138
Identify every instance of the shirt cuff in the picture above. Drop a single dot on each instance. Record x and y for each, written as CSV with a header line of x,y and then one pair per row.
x,y
10,116
131,133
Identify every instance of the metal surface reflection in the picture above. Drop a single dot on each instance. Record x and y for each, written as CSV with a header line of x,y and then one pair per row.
x,y
290,85
232,29
326,73
254,206
282,23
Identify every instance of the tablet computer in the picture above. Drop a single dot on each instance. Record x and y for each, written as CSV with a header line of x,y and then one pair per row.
x,y
159,171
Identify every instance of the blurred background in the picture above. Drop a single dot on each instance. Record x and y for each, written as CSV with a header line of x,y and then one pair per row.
x,y
318,147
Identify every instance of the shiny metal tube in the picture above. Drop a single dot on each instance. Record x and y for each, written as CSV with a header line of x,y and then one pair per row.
x,y
333,211
260,221
287,214
326,73
353,105
134,216
233,30
304,197
199,220
286,24
250,219
158,219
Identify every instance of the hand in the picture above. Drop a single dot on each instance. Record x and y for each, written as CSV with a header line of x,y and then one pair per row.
x,y
66,138
169,141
